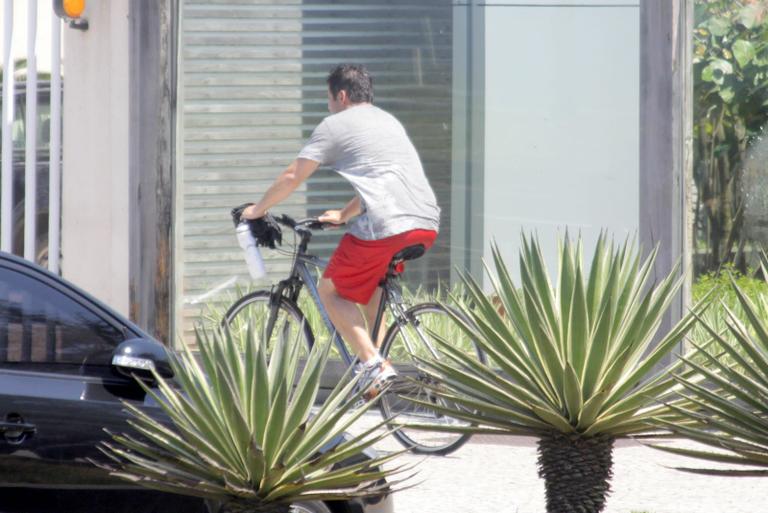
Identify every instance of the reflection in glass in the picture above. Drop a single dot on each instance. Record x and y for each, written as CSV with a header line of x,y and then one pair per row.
x,y
41,325
408,48
253,90
730,112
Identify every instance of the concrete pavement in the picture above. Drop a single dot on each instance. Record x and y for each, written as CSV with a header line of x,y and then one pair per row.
x,y
492,474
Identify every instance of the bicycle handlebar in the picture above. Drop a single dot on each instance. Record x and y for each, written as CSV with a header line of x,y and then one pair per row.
x,y
310,223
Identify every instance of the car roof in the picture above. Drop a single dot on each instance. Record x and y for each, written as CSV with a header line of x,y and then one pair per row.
x,y
9,260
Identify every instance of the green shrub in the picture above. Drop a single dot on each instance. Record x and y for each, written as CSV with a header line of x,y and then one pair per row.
x,y
723,291
720,285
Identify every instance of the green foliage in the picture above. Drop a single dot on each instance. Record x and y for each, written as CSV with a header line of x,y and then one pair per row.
x,y
575,356
214,310
718,286
575,361
730,71
725,403
243,434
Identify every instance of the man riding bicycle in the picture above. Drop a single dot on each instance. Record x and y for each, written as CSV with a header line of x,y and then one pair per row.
x,y
394,207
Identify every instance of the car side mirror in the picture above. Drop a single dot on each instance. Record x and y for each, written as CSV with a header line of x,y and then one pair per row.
x,y
139,357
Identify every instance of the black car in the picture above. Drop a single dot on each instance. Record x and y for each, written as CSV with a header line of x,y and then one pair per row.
x,y
59,389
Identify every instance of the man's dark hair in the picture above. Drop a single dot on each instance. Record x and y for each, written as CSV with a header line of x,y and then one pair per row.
x,y
354,79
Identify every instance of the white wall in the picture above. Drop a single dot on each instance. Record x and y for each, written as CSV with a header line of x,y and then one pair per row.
x,y
95,165
561,122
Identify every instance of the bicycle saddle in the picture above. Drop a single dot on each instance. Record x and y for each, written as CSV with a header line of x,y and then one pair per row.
x,y
409,253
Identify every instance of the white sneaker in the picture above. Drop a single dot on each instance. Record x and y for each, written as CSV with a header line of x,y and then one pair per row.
x,y
377,378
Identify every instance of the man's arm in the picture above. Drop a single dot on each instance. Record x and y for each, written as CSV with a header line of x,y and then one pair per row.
x,y
353,208
298,171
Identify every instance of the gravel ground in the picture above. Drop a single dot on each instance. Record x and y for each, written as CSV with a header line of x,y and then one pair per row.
x,y
499,474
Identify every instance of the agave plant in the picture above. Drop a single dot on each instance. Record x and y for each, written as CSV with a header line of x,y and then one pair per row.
x,y
725,404
243,433
573,363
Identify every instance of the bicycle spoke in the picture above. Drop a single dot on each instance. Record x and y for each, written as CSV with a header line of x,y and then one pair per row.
x,y
254,310
408,397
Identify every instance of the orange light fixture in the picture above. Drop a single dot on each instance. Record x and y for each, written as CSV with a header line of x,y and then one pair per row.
x,y
72,9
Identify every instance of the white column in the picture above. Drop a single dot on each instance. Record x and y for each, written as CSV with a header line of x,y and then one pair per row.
x,y
6,202
30,168
54,162
95,187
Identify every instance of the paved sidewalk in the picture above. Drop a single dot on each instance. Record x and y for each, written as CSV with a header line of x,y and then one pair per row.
x,y
492,474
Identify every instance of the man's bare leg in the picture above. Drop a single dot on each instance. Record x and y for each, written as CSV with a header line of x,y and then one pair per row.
x,y
370,310
348,320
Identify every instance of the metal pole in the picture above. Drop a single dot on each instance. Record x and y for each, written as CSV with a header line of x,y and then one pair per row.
x,y
54,162
6,186
30,168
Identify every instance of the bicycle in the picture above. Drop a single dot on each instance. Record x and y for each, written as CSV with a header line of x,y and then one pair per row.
x,y
407,336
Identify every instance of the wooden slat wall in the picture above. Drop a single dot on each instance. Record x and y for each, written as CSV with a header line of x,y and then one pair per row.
x,y
251,89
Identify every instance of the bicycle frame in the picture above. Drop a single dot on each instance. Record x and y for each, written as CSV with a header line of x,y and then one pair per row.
x,y
301,276
284,296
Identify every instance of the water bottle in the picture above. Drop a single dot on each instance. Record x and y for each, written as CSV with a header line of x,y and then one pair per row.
x,y
252,254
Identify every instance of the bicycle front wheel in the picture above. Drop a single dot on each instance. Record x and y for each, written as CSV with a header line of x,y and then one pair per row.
x,y
286,322
416,338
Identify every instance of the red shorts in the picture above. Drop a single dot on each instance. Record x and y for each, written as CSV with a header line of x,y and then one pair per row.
x,y
357,266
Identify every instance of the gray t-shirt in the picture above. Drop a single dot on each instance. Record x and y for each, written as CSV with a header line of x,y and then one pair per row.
x,y
371,149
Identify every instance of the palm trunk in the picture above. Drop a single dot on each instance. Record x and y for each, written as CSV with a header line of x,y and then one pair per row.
x,y
576,472
244,506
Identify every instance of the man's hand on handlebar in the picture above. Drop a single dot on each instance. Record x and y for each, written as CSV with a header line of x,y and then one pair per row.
x,y
264,228
332,217
246,212
251,212
237,212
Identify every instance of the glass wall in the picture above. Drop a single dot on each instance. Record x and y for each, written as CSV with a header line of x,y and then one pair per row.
x,y
408,48
525,115
561,121
252,88
730,110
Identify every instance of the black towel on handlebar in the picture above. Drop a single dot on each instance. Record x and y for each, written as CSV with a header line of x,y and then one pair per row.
x,y
265,229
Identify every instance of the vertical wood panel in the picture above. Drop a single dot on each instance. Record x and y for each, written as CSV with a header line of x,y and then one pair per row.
x,y
665,135
152,65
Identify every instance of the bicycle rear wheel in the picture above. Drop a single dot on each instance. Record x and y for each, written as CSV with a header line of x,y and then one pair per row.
x,y
401,343
254,309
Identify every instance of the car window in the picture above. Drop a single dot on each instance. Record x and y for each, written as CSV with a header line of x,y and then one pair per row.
x,y
19,126
40,325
